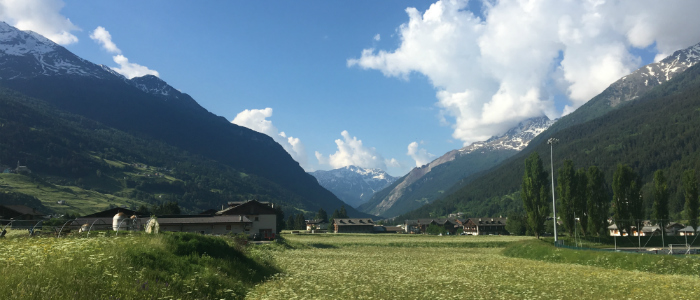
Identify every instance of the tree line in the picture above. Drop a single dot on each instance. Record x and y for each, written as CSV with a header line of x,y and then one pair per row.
x,y
584,203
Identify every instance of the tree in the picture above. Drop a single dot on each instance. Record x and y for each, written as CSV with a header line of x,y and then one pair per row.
x,y
535,194
597,204
322,215
336,214
627,202
661,195
143,210
290,222
690,185
581,199
343,213
516,224
566,191
300,222
331,227
280,219
434,229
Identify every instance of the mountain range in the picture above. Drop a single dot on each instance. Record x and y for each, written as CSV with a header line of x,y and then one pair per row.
x,y
354,185
148,108
429,182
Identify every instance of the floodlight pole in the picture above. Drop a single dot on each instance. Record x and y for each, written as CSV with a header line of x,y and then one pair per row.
x,y
551,143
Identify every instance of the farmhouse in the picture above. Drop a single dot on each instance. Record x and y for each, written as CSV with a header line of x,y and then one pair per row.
x,y
485,226
316,224
353,225
262,215
411,226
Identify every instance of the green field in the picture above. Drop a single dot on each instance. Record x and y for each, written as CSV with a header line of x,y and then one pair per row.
x,y
330,266
458,267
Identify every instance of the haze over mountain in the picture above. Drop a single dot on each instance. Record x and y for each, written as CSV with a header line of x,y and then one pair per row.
x,y
353,185
147,107
429,182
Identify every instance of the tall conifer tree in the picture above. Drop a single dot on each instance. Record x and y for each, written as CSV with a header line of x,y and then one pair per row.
x,y
598,202
535,194
627,202
566,192
690,185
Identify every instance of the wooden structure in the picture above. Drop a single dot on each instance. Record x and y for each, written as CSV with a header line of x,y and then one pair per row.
x,y
353,226
485,226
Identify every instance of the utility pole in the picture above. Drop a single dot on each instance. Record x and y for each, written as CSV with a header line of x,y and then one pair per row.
x,y
551,143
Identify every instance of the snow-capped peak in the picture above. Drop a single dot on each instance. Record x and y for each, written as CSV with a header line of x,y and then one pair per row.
x,y
352,184
17,42
517,138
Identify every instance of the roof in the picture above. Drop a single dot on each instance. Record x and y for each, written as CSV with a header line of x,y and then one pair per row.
x,y
311,222
487,221
109,213
435,221
353,222
411,222
252,207
651,228
689,229
393,228
23,210
205,220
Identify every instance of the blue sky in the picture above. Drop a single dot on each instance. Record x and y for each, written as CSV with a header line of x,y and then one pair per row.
x,y
430,79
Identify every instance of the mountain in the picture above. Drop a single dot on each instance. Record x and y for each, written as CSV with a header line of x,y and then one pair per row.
x,y
425,184
629,88
148,108
657,130
353,185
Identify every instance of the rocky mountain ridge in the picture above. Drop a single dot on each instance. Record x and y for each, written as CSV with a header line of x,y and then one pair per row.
x,y
354,185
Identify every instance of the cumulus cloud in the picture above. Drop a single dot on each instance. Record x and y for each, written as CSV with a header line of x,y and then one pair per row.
x,y
420,155
377,37
40,16
351,152
491,73
257,119
130,70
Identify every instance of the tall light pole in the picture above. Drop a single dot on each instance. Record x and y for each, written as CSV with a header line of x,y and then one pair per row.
x,y
551,143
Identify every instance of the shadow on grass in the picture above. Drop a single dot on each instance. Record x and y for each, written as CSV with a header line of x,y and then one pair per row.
x,y
323,246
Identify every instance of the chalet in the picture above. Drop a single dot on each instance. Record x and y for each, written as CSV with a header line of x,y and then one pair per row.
x,y
485,226
672,228
687,231
411,226
316,224
353,226
223,224
614,231
393,229
22,169
262,214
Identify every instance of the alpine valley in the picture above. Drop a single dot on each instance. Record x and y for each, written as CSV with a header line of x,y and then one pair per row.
x,y
354,185
96,138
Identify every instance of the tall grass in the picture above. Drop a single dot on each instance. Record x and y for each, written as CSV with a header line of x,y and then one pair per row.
x,y
659,264
165,266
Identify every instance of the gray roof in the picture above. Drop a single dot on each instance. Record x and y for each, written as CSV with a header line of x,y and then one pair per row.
x,y
689,229
488,221
354,222
24,210
205,220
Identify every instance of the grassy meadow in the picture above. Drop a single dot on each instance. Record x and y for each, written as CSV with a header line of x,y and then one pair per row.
x,y
451,267
330,266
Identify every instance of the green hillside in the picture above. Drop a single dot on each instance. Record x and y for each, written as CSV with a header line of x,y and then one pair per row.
x,y
92,166
659,130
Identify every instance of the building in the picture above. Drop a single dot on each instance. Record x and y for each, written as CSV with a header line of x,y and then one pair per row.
x,y
353,226
687,231
421,225
316,225
485,226
227,224
262,215
103,220
411,226
19,212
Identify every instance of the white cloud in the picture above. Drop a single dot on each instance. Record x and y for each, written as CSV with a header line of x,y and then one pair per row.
x,y
493,72
130,70
40,16
420,155
377,37
351,152
102,37
256,119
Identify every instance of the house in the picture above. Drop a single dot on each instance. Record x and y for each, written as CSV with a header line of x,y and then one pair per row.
x,y
411,226
393,229
262,214
672,228
222,224
485,226
654,230
22,169
353,226
687,231
316,224
448,224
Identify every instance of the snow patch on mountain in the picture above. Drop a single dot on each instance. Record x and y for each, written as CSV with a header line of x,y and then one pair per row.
x,y
354,185
517,138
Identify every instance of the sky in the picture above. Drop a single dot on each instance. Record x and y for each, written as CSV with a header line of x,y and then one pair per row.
x,y
377,84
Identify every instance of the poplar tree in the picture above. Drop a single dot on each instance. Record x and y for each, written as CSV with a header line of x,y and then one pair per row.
x,y
627,202
690,185
566,192
597,203
300,222
661,195
535,194
581,199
